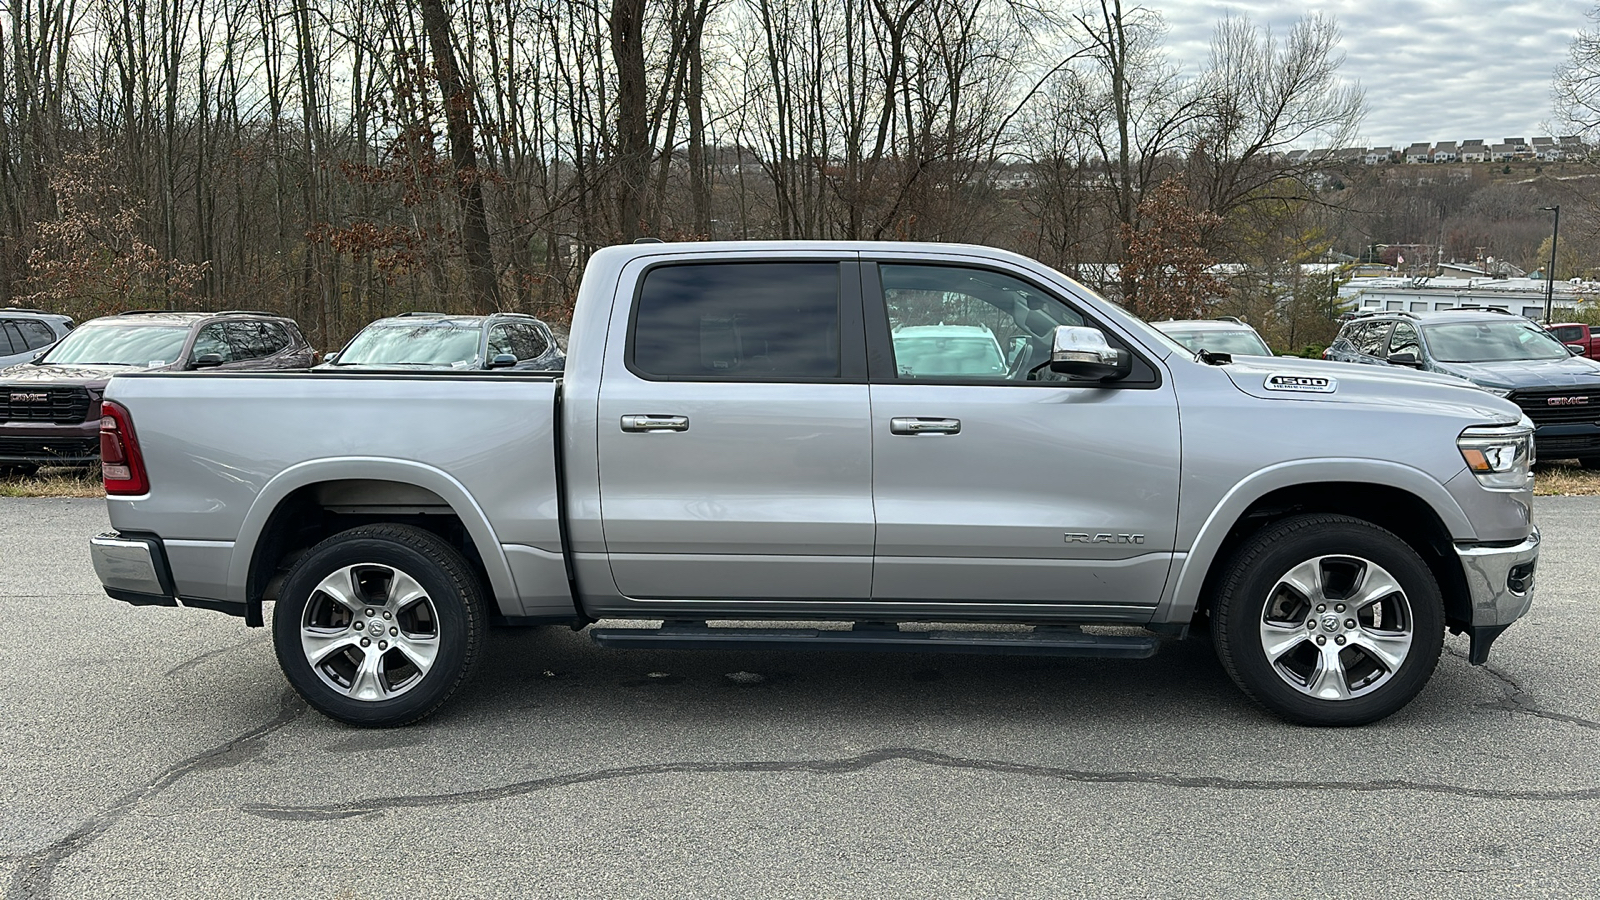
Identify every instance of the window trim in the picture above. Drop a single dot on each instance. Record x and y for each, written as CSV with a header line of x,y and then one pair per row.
x,y
852,337
880,339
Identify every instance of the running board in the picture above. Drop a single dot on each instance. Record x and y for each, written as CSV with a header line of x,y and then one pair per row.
x,y
877,638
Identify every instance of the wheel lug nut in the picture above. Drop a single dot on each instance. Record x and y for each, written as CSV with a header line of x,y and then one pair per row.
x,y
367,642
387,614
384,645
1320,640
369,612
1339,608
1349,623
1312,625
394,632
1321,607
1339,640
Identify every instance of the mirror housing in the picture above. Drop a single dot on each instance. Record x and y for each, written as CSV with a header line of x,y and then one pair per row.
x,y
206,361
1084,353
1575,349
1405,359
502,361
331,357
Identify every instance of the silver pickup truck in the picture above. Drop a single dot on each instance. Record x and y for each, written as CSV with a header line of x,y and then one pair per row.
x,y
838,446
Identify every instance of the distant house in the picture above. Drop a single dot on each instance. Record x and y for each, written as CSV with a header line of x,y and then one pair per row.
x,y
1546,148
1518,145
1503,152
1296,157
1349,154
1418,153
1473,151
1445,151
1378,155
1571,147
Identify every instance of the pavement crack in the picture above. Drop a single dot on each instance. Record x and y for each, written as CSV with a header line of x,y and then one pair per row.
x,y
191,663
1519,700
864,761
33,877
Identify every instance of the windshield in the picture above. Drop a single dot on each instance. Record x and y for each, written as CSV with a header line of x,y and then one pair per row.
x,y
926,356
1234,343
1501,341
451,344
146,346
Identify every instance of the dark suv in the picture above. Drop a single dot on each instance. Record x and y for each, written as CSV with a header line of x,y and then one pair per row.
x,y
50,407
1504,354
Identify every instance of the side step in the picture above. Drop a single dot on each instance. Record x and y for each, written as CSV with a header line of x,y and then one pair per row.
x,y
879,638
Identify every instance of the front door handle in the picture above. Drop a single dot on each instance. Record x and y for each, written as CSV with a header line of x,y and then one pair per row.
x,y
923,425
655,423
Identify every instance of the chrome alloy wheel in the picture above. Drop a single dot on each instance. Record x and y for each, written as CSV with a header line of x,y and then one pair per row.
x,y
1336,627
370,631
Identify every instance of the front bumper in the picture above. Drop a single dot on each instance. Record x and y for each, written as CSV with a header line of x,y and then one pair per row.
x,y
1500,584
46,444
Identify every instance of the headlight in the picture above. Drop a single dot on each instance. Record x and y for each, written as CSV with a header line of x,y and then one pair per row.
x,y
1501,457
1498,392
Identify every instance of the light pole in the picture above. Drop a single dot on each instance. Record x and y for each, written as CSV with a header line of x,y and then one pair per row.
x,y
1550,273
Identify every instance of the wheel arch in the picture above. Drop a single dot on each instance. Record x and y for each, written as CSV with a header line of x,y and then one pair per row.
x,y
1404,500
289,514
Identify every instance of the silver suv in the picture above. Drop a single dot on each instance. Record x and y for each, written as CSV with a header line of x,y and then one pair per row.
x,y
1224,335
25,333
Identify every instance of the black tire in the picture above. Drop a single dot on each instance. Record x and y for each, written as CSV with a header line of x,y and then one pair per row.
x,y
1589,462
1328,676
401,681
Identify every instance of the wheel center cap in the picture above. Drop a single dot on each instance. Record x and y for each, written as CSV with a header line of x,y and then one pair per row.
x,y
377,627
1330,623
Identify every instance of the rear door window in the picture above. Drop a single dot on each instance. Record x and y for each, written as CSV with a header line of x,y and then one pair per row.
x,y
36,334
1568,333
737,321
11,339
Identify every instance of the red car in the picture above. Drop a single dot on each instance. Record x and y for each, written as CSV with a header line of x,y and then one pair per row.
x,y
1575,334
50,407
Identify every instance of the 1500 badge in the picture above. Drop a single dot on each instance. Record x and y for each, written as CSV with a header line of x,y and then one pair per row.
x,y
1083,537
1302,384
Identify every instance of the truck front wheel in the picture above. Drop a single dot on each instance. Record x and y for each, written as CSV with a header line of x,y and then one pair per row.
x,y
1328,620
379,625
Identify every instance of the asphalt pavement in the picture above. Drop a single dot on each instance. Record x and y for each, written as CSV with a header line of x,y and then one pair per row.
x,y
159,753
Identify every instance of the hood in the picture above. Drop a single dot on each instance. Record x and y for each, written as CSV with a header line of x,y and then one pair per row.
x,y
1528,373
94,377
1312,380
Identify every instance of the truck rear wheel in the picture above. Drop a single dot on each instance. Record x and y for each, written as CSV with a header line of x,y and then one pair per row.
x,y
379,625
1328,620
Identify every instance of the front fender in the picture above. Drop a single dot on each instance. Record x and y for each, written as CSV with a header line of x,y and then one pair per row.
x,y
1179,604
368,468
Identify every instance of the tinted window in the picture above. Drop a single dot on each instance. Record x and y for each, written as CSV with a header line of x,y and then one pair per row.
x,y
738,320
1568,333
36,334
1405,340
971,324
519,339
11,339
254,340
212,341
1374,338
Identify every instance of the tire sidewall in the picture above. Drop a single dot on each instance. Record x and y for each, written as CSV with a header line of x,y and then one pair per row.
x,y
1247,594
455,624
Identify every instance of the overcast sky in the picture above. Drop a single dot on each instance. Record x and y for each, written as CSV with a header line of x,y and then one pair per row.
x,y
1433,70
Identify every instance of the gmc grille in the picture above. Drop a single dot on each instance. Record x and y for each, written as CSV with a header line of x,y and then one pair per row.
x,y
61,405
1573,405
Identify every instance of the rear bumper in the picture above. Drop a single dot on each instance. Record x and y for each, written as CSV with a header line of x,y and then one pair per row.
x,y
134,568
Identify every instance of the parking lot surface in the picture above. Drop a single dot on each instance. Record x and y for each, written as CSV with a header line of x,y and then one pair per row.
x,y
159,753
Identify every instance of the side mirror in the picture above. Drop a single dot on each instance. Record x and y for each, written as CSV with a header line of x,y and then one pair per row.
x,y
1575,349
1405,359
502,361
331,357
206,361
1084,353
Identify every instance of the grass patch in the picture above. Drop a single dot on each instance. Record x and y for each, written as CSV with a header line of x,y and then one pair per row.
x,y
1557,479
54,483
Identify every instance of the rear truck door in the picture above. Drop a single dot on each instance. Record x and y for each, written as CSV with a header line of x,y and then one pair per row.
x,y
735,451
993,487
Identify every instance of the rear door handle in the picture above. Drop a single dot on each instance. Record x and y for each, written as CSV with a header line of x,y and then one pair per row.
x,y
655,423
922,425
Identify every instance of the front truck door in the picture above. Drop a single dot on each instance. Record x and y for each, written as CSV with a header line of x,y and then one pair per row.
x,y
735,441
995,486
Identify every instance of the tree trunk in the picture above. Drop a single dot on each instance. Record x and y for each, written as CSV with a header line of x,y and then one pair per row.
x,y
633,151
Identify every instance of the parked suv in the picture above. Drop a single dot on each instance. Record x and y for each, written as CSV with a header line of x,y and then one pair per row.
x,y
424,340
1225,335
50,407
1504,354
24,333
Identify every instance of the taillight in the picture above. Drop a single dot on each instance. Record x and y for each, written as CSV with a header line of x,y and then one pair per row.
x,y
121,464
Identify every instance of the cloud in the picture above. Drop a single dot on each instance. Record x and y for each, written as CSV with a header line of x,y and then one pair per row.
x,y
1432,70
